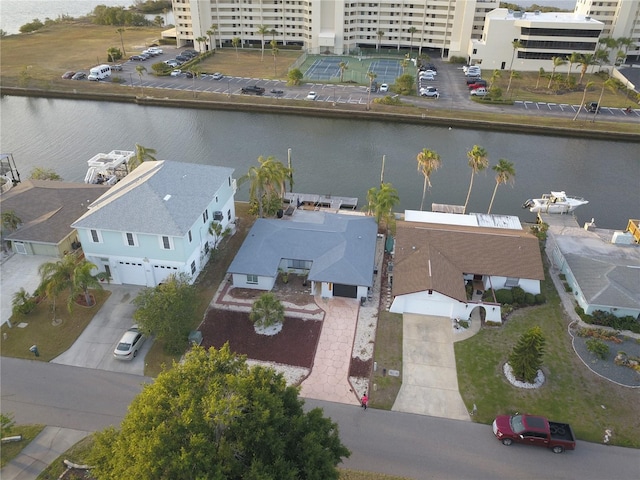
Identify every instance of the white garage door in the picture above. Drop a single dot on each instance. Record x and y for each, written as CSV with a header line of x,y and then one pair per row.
x,y
132,273
161,272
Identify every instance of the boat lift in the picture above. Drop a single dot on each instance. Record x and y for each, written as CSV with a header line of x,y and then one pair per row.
x,y
8,169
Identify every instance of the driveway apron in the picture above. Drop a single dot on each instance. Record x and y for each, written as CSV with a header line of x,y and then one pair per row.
x,y
429,378
329,378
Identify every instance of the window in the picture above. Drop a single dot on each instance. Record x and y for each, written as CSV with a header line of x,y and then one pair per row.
x,y
252,279
167,244
130,239
193,267
96,237
205,216
511,282
190,236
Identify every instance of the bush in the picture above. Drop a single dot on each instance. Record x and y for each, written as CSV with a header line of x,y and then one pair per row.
x,y
487,296
460,60
606,319
31,26
540,299
529,299
388,100
598,347
504,296
518,295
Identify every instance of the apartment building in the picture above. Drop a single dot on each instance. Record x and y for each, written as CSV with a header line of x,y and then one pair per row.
x,y
334,26
542,36
621,19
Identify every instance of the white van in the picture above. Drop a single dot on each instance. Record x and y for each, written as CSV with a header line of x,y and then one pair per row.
x,y
99,73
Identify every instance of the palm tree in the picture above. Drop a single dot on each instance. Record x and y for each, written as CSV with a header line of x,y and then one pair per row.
x,y
142,155
263,30
381,202
141,70
273,33
56,277
113,54
121,31
342,66
215,230
82,281
513,74
586,60
267,311
213,31
235,41
211,34
380,34
10,221
404,64
372,76
584,95
626,43
200,41
505,173
494,76
609,44
557,62
267,182
478,161
610,83
274,52
517,45
571,59
411,31
428,162
540,75
195,71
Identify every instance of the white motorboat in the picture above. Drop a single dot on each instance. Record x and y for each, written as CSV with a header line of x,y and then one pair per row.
x,y
108,168
554,202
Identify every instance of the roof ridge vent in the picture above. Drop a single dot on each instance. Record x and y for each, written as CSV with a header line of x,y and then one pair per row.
x,y
167,197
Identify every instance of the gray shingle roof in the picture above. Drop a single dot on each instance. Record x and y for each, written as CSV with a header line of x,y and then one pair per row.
x,y
48,208
341,247
157,198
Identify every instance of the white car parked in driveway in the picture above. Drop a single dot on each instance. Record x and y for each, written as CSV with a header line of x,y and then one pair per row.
x,y
130,344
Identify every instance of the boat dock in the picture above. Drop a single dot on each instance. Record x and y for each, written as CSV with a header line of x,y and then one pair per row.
x,y
321,201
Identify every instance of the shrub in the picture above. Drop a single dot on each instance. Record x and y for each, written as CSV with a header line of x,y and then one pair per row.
x,y
504,296
540,299
526,357
518,295
607,319
487,295
598,347
267,311
31,26
455,59
388,100
529,299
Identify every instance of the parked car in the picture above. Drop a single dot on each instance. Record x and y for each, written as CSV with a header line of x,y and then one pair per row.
x,y
277,92
79,76
474,72
68,75
130,344
182,58
534,430
156,49
480,92
137,58
312,96
172,63
176,73
592,107
384,87
253,89
117,67
477,84
217,76
427,77
429,92
189,74
429,72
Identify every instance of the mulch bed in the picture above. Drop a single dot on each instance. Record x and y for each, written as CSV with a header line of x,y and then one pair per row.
x,y
295,345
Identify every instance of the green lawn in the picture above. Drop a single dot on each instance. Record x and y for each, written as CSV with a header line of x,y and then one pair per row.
x,y
9,451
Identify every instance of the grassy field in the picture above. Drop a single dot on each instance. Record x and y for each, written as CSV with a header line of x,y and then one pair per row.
x,y
10,450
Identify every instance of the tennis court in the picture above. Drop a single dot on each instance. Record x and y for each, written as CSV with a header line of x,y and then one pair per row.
x,y
386,70
327,69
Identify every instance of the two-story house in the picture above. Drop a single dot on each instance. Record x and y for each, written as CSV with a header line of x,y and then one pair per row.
x,y
156,221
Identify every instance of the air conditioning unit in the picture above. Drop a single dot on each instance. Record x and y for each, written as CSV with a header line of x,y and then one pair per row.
x,y
218,216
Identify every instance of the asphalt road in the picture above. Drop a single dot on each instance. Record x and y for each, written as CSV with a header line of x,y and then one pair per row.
x,y
414,446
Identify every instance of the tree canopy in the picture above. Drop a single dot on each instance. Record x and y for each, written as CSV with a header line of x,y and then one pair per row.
x,y
526,357
213,417
39,173
168,311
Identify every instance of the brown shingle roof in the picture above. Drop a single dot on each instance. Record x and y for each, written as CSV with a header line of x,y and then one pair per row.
x,y
48,208
432,256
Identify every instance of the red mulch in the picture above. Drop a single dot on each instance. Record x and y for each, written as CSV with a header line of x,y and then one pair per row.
x,y
294,345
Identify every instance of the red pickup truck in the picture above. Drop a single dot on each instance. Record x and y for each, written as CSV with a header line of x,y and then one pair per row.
x,y
534,430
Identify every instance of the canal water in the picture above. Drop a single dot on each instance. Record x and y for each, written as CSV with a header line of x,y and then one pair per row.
x,y
337,157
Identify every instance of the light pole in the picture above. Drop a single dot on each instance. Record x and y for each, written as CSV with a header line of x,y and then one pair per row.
x,y
228,87
131,79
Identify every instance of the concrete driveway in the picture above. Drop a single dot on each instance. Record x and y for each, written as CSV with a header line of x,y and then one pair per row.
x,y
94,347
429,378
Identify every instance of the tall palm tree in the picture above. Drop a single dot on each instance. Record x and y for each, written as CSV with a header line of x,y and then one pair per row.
x,y
121,31
267,182
512,74
267,311
214,30
211,34
478,161
404,64
557,62
571,60
10,221
380,34
611,84
540,75
584,95
200,41
381,202
141,70
494,76
263,30
235,41
586,60
342,66
273,33
274,52
505,173
626,43
428,162
517,45
82,281
372,76
143,154
609,44
411,31
56,277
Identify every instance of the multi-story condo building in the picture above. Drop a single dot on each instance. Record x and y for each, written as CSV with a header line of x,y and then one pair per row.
x,y
540,37
334,26
621,19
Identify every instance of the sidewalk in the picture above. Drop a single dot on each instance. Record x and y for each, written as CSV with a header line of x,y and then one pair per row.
x,y
41,452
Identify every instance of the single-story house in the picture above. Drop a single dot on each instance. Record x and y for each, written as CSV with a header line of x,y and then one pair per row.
x,y
46,210
602,267
433,263
156,221
335,250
